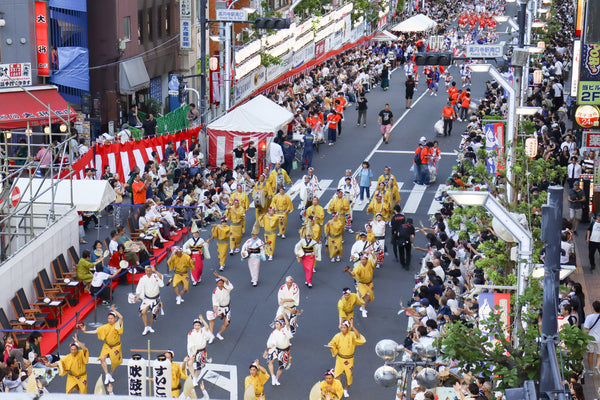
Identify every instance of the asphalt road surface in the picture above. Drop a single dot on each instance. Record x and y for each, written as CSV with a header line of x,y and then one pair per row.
x,y
253,308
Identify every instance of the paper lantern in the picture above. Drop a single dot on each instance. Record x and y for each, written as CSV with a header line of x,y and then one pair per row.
x,y
531,147
538,76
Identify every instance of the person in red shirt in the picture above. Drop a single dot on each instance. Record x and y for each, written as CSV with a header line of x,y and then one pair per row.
x,y
339,109
332,124
448,115
464,105
452,90
138,188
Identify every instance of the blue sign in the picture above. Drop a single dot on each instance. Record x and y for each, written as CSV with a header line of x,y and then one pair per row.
x,y
174,92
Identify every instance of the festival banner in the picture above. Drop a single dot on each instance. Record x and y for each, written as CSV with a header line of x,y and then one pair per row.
x,y
41,38
161,377
487,305
494,141
136,372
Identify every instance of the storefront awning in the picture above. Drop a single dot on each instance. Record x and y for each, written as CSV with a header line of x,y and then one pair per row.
x,y
18,108
133,76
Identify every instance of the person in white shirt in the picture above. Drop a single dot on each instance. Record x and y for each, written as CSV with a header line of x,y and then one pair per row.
x,y
197,339
379,231
360,247
220,301
275,153
573,172
278,348
592,327
288,299
148,290
350,188
124,134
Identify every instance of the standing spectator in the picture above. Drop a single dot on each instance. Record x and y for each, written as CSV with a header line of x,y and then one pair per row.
x,y
385,75
138,188
386,119
149,126
289,151
275,153
592,327
365,175
332,125
576,203
193,116
449,115
251,159
362,110
593,240
132,117
573,172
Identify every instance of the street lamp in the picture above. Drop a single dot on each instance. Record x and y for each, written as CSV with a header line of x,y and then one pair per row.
x,y
538,24
510,121
392,372
503,216
505,18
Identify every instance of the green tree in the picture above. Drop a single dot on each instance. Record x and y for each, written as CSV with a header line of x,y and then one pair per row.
x,y
485,349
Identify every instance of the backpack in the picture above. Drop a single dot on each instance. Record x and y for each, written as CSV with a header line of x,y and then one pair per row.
x,y
417,158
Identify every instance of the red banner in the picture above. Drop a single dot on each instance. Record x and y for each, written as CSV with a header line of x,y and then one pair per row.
x,y
122,158
222,143
319,49
41,38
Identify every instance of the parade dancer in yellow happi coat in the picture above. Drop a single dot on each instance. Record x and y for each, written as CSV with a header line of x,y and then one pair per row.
x,y
363,274
331,388
283,206
236,214
278,177
340,205
75,365
379,206
334,229
177,373
391,185
110,333
222,233
261,195
270,222
342,346
181,264
257,379
347,303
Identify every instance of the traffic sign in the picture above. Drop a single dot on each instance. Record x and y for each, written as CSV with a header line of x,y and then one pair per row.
x,y
484,51
15,196
232,15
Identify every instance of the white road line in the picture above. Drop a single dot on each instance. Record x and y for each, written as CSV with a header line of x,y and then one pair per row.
x,y
381,140
410,152
436,205
295,189
412,203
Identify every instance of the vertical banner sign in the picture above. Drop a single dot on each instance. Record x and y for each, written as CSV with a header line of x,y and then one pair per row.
x,y
41,38
185,24
494,141
136,371
589,72
174,92
161,377
487,305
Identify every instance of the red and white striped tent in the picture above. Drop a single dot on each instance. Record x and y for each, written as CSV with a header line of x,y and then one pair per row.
x,y
257,119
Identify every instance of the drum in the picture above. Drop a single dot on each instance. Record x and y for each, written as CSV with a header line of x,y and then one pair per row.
x,y
261,198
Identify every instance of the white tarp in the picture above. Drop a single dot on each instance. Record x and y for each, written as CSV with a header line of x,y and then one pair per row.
x,y
384,36
88,195
257,115
416,23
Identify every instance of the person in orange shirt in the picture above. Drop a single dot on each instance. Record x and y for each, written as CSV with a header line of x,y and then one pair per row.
x,y
339,109
138,188
332,124
448,115
452,90
464,105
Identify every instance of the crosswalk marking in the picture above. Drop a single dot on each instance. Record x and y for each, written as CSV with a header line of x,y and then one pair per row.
x,y
436,205
412,203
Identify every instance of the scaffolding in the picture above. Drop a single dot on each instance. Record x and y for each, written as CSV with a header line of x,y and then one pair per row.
x,y
22,221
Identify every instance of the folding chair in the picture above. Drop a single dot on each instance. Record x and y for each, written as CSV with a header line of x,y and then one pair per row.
x,y
30,317
73,255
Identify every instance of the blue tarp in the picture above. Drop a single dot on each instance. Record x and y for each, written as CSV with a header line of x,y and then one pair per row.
x,y
73,70
75,5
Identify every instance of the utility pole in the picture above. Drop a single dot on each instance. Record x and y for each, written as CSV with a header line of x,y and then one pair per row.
x,y
551,379
203,63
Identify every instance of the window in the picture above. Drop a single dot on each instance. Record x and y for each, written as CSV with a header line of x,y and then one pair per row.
x,y
140,27
127,28
150,25
167,23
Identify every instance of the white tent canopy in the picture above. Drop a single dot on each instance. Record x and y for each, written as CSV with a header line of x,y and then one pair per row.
x,y
384,36
88,195
416,23
257,115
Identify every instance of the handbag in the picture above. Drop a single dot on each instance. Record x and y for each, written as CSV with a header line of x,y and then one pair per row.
x,y
294,164
119,198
